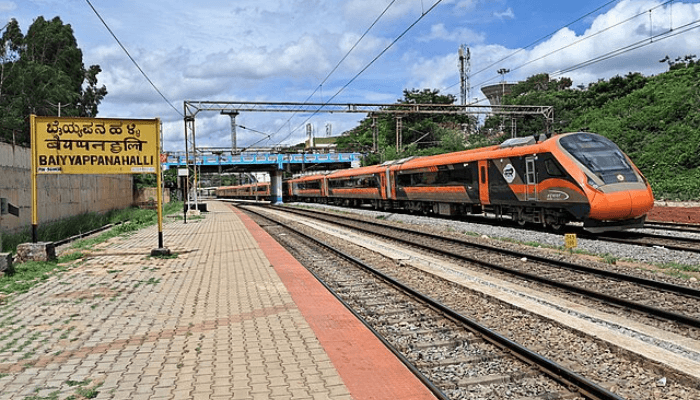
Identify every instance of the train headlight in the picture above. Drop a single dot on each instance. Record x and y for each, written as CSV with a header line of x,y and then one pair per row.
x,y
592,183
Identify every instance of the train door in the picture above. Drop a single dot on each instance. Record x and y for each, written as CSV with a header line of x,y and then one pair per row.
x,y
388,184
531,178
484,182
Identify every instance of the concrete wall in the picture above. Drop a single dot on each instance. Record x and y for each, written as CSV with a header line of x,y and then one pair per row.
x,y
60,196
147,195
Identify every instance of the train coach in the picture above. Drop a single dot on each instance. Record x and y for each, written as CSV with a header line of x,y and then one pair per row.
x,y
254,191
579,177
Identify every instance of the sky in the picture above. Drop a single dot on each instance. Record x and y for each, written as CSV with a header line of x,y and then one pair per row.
x,y
291,51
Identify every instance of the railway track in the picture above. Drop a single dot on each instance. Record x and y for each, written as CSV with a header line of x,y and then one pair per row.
x,y
664,302
672,226
637,238
454,355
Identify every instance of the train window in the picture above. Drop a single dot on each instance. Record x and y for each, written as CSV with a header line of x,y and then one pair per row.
x,y
600,156
404,180
552,168
447,175
483,174
309,185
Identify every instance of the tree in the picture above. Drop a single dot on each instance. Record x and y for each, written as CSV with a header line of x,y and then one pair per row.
x,y
422,134
42,72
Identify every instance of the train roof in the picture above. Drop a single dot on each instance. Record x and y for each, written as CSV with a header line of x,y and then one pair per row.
x,y
368,170
511,147
308,177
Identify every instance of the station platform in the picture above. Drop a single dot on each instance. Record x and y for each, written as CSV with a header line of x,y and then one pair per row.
x,y
232,316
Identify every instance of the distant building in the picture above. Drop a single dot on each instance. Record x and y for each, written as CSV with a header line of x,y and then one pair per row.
x,y
322,144
496,91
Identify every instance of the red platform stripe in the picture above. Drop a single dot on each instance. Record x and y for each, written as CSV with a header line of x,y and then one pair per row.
x,y
368,368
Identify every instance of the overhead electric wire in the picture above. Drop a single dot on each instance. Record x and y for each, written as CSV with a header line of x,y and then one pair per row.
x,y
642,43
338,65
536,42
364,69
351,49
545,37
133,60
634,46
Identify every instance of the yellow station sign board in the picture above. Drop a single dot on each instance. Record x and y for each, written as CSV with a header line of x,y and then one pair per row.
x,y
95,145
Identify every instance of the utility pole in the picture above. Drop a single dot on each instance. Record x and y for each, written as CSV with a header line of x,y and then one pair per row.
x,y
502,72
464,71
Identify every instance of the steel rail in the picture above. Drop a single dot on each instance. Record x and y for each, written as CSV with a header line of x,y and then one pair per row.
x,y
555,371
691,321
641,236
675,226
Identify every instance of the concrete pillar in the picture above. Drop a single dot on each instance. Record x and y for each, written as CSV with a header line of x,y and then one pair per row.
x,y
276,187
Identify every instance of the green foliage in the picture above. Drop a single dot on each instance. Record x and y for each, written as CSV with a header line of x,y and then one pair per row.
x,y
421,134
658,125
144,181
27,275
39,71
68,227
655,120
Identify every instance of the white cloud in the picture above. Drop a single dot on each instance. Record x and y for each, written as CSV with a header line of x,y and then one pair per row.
x,y
565,50
251,50
7,6
295,60
369,10
507,14
440,32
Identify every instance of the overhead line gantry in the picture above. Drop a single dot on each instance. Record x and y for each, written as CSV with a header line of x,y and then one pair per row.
x,y
234,108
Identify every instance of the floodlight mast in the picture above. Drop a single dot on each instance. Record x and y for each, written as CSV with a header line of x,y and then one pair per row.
x,y
233,114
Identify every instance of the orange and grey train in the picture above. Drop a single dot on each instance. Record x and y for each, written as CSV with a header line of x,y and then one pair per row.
x,y
572,177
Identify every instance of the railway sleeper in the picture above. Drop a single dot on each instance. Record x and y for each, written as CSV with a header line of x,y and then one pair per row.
x,y
486,380
392,312
457,361
447,344
374,301
495,379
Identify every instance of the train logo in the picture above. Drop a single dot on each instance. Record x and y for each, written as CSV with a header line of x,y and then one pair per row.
x,y
557,195
509,173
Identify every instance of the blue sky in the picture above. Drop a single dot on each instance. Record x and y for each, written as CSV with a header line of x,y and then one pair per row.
x,y
263,50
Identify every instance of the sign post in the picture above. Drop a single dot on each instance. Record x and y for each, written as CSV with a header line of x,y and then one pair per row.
x,y
570,241
67,145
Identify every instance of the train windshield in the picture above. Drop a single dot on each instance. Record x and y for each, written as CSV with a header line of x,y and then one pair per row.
x,y
601,156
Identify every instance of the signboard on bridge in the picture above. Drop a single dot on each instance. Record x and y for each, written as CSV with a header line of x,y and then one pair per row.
x,y
95,145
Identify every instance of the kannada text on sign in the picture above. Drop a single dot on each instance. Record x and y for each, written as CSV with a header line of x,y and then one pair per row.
x,y
96,146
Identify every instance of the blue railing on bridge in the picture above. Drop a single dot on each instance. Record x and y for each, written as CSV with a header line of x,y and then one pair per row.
x,y
264,159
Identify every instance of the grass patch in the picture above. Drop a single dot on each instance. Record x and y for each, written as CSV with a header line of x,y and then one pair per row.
x,y
84,382
88,393
150,281
165,257
138,218
678,270
51,396
609,259
66,258
53,231
29,274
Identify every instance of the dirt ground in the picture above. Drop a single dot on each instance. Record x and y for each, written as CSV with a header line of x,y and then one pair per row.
x,y
675,212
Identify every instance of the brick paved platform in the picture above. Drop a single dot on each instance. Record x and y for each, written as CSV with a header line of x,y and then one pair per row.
x,y
233,316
